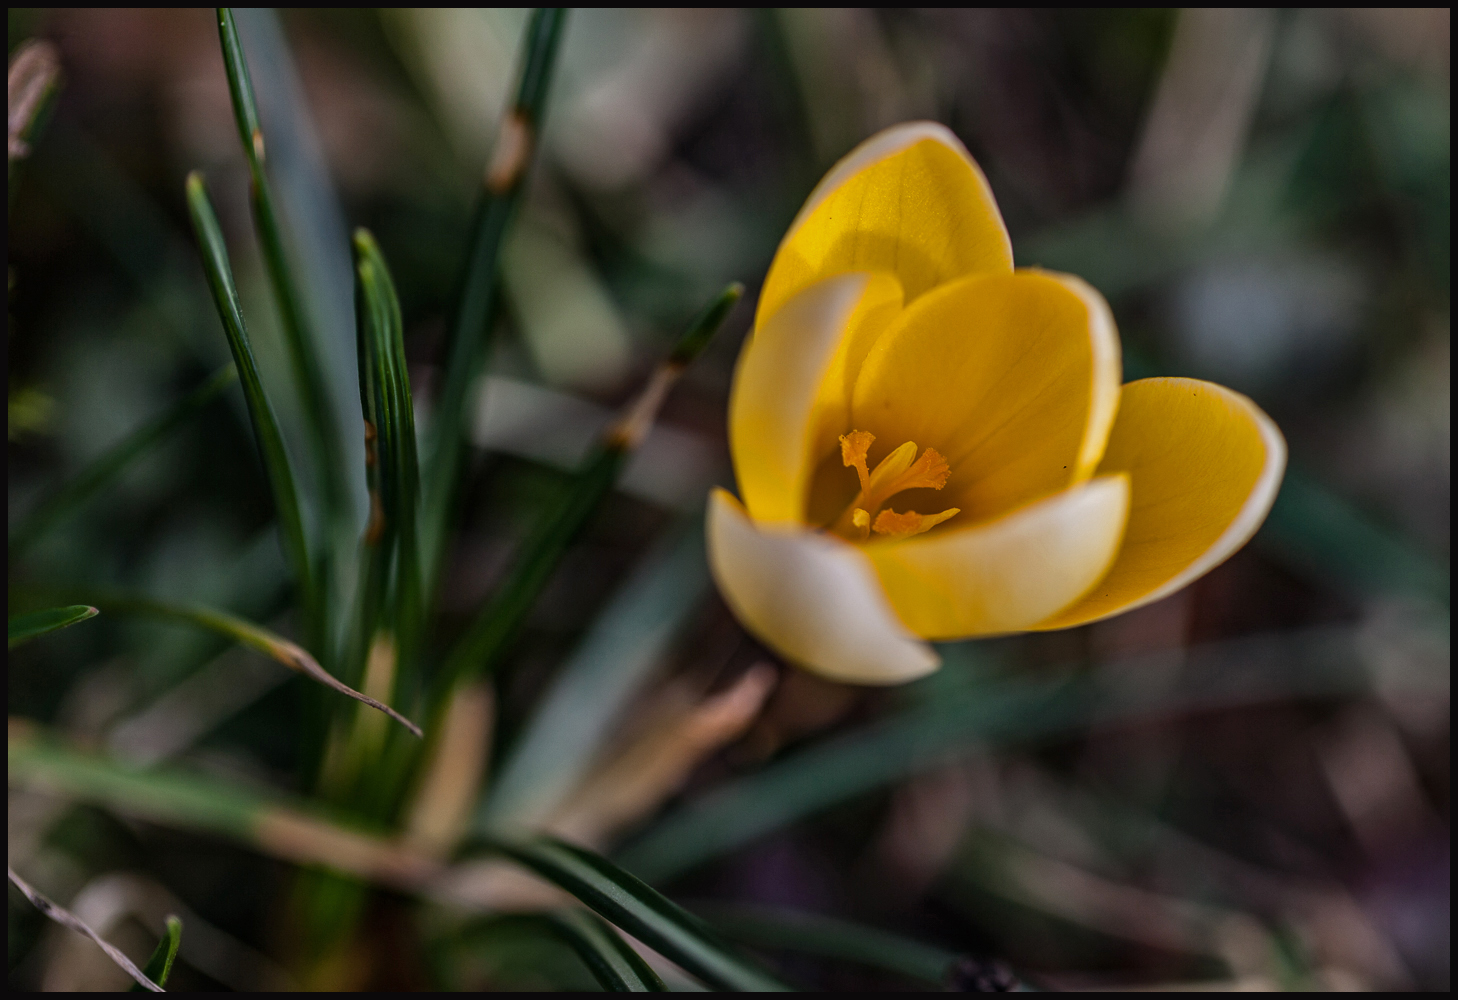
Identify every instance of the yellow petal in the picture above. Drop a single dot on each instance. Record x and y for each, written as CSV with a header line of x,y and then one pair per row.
x,y
879,306
1204,464
1013,378
811,597
910,201
772,401
1008,574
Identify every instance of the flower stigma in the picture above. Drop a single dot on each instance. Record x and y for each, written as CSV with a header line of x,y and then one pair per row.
x,y
900,470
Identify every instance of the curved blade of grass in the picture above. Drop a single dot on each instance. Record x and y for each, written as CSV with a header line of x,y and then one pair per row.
x,y
479,649
385,380
303,351
611,960
639,909
813,934
106,468
270,644
69,920
504,183
24,628
159,966
270,823
275,826
286,829
260,411
1315,663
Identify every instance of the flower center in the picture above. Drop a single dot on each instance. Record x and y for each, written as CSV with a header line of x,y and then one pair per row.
x,y
900,470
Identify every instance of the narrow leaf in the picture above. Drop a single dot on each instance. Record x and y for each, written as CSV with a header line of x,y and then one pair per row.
x,y
106,468
159,966
270,644
611,960
270,823
23,628
260,411
639,909
504,183
385,391
814,934
70,921
303,351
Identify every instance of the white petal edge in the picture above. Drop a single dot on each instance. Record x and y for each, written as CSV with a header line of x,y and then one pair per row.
x,y
888,142
1251,516
1008,574
773,397
813,598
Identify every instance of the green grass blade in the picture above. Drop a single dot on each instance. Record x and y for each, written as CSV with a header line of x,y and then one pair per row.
x,y
611,960
270,644
159,966
505,183
812,934
385,379
105,469
639,909
298,334
479,649
260,411
24,628
268,822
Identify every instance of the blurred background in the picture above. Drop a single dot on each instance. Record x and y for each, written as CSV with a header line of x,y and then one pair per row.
x,y
1253,792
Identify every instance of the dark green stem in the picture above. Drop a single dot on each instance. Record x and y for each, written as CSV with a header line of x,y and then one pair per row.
x,y
298,333
504,185
265,424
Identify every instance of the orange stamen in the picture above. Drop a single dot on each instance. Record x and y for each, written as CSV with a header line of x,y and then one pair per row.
x,y
888,522
901,470
853,449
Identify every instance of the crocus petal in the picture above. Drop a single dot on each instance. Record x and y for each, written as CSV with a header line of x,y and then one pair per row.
x,y
813,598
1014,378
790,380
1008,574
910,201
1204,464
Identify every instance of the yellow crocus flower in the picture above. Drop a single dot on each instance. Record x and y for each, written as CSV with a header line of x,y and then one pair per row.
x,y
931,444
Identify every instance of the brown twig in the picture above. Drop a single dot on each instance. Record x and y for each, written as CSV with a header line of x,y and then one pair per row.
x,y
68,919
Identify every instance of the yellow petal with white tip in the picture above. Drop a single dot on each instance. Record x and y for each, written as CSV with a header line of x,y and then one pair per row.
x,y
1008,574
909,201
790,374
812,597
1204,465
